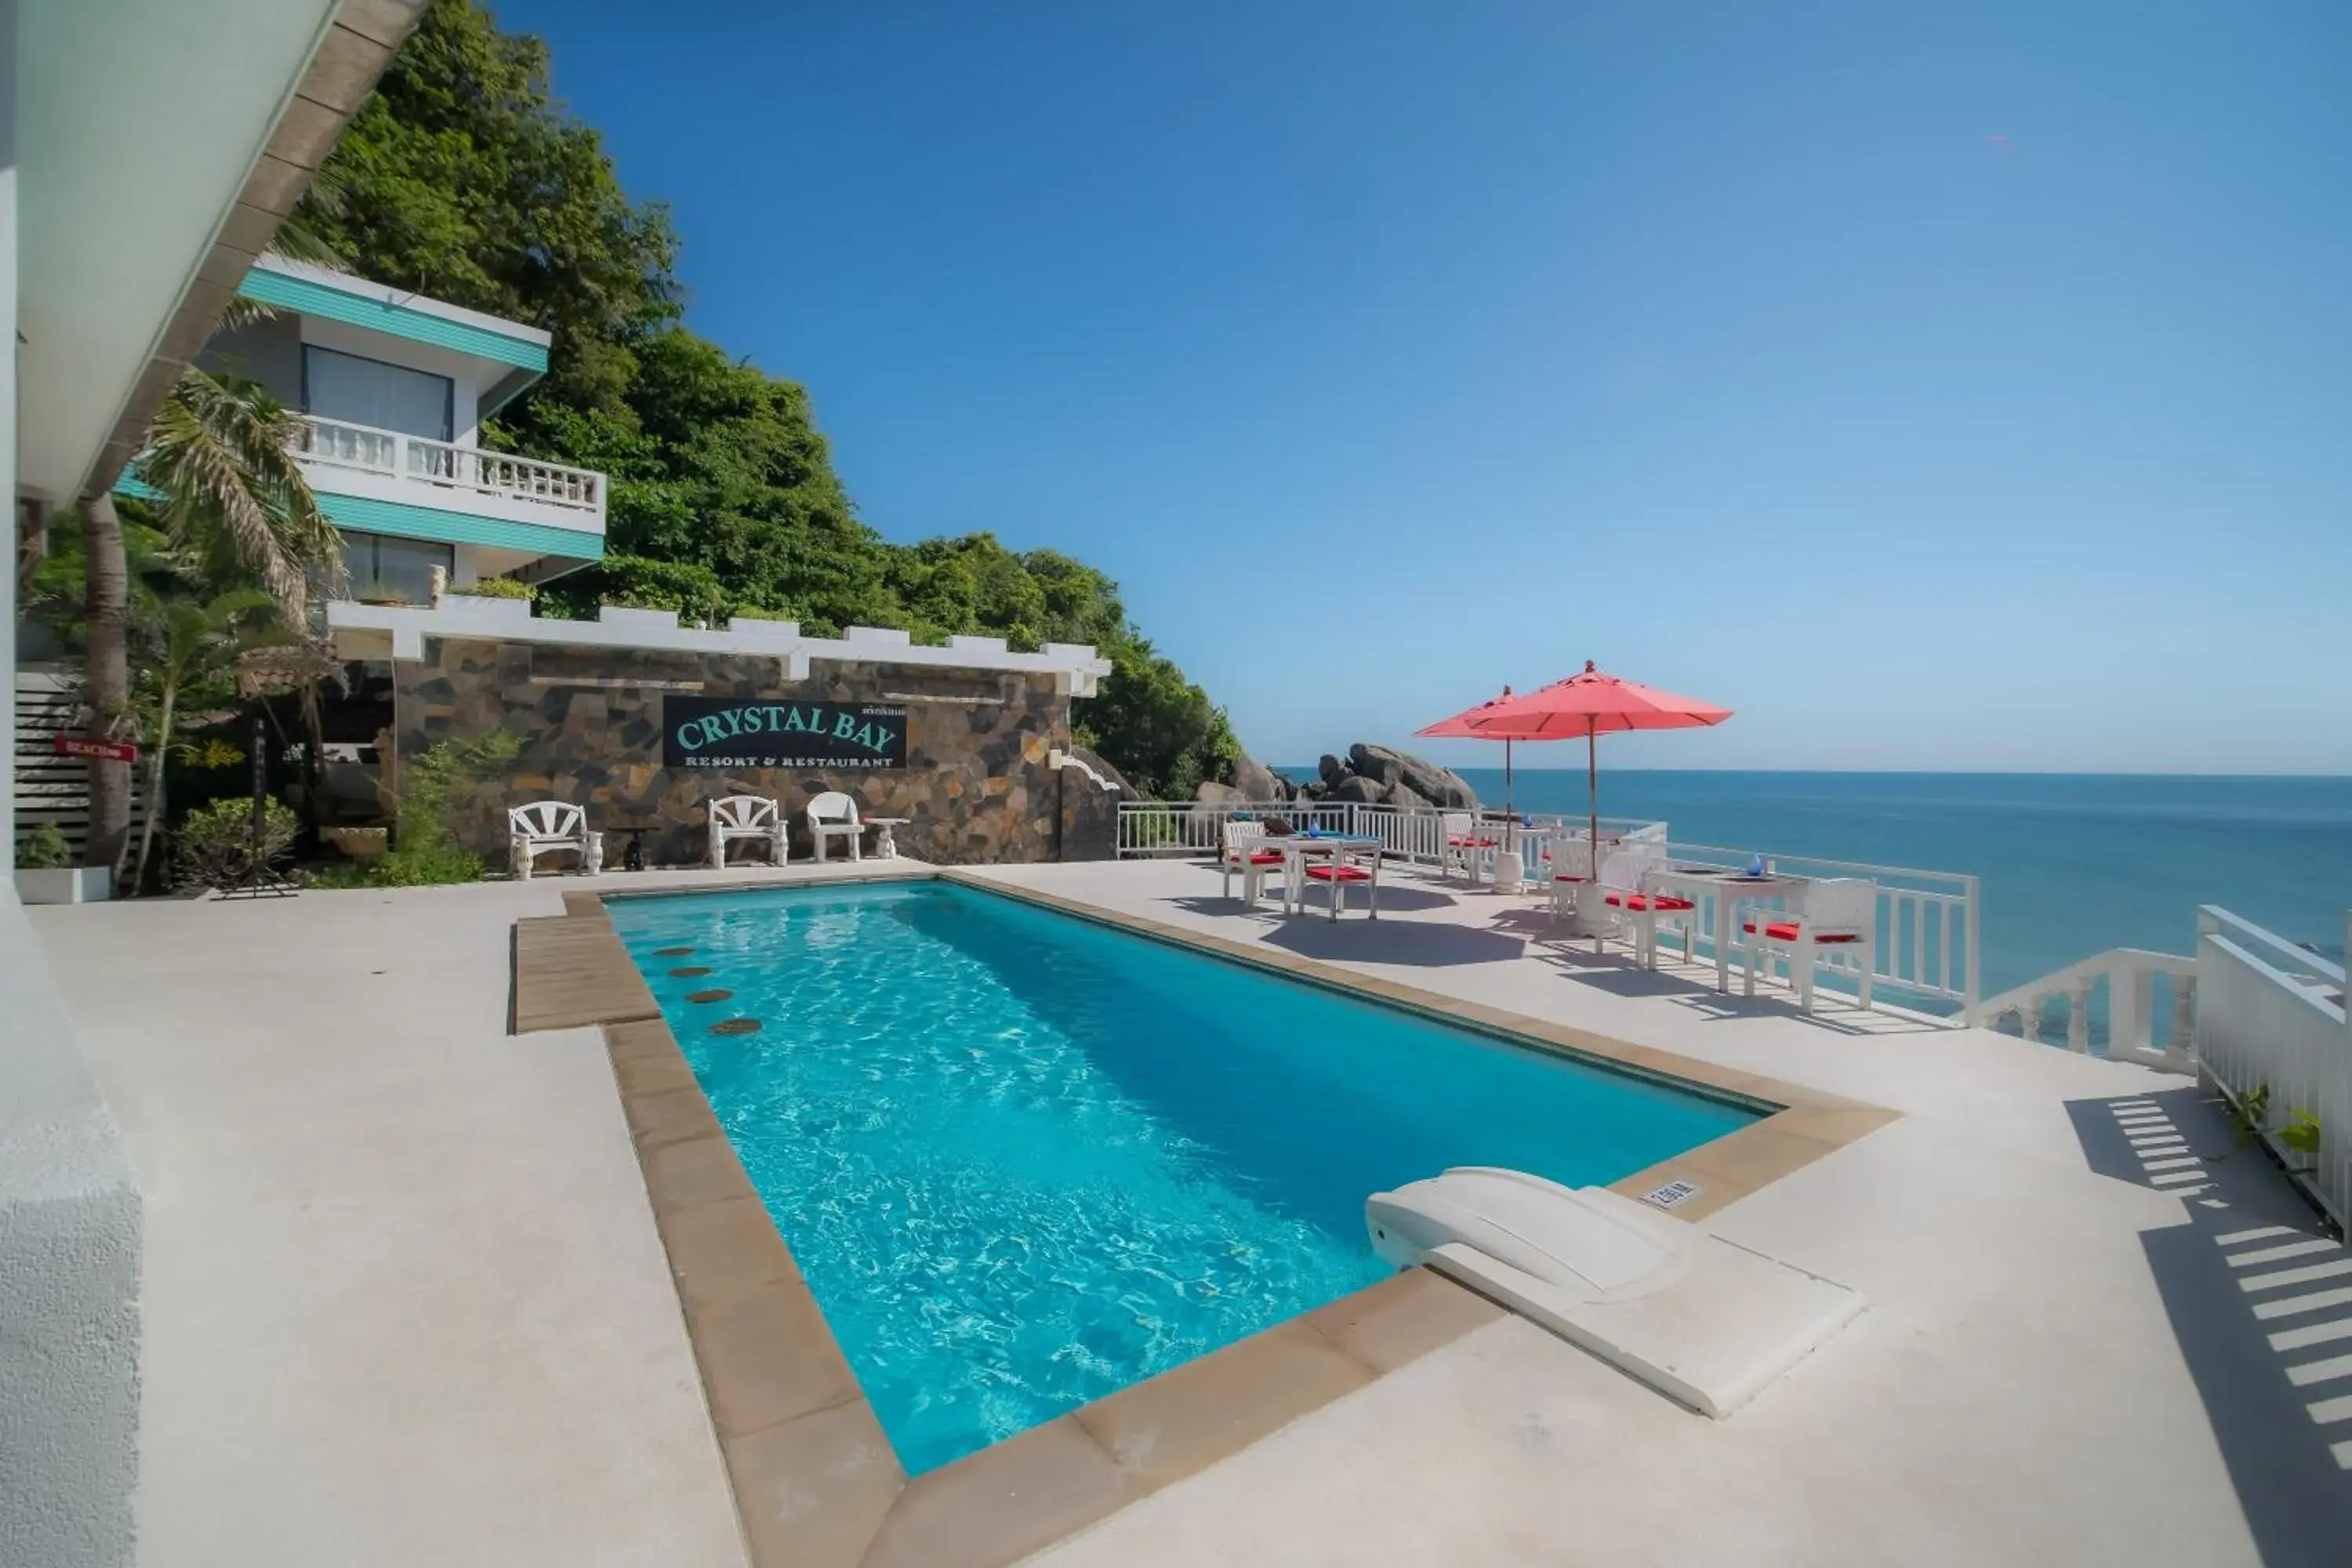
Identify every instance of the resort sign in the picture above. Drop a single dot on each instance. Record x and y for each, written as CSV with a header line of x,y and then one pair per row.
x,y
739,732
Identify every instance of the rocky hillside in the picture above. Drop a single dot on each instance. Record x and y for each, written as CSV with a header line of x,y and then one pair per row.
x,y
1374,774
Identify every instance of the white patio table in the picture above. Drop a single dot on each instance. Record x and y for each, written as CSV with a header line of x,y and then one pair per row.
x,y
1340,850
1502,840
1729,888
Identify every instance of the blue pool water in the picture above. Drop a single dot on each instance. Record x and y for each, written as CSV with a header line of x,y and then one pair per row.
x,y
1025,1161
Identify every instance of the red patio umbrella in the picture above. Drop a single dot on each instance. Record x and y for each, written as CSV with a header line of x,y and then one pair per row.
x,y
1458,728
1589,704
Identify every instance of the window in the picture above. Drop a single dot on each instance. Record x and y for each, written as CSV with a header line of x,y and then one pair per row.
x,y
382,396
383,567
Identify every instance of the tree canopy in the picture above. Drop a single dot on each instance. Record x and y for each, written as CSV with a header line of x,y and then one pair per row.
x,y
463,178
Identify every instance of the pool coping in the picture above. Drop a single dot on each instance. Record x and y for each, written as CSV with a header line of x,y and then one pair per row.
x,y
815,1481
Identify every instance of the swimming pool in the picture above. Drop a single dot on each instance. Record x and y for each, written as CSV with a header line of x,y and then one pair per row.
x,y
1024,1159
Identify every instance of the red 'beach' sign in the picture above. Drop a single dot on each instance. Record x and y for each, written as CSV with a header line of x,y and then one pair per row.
x,y
94,751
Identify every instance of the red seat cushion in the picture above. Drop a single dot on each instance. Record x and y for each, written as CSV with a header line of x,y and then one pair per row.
x,y
1563,877
1786,931
1345,873
1266,857
1472,843
1664,902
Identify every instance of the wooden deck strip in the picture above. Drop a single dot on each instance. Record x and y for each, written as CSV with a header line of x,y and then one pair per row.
x,y
585,906
570,971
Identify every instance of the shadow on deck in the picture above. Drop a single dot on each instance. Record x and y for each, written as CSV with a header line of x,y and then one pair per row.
x,y
2259,1298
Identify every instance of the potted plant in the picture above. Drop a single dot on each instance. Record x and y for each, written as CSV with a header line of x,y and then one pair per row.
x,y
46,872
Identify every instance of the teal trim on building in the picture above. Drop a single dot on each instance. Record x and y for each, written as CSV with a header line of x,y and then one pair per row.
x,y
369,515
311,297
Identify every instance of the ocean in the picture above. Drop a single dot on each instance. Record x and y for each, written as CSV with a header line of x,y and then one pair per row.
x,y
2071,864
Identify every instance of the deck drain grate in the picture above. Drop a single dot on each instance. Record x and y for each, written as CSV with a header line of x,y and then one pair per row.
x,y
736,1026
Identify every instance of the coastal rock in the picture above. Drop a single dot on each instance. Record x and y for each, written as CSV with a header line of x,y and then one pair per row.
x,y
1378,763
1331,769
1212,793
1406,797
1438,786
1253,779
1357,787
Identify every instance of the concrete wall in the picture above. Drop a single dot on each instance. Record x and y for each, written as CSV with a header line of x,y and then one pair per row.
x,y
70,1213
70,1257
979,785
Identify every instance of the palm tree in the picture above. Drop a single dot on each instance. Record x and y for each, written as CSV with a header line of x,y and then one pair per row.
x,y
197,647
106,680
222,456
233,499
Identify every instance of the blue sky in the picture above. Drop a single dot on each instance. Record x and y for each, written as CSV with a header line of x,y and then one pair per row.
x,y
1955,385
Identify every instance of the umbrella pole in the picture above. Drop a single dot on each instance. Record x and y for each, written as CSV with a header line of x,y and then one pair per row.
x,y
1592,820
1592,789
1506,776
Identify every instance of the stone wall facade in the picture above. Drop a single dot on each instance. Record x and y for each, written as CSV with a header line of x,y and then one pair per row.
x,y
979,784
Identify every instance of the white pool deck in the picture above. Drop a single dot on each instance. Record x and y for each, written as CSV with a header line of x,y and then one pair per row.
x,y
404,1303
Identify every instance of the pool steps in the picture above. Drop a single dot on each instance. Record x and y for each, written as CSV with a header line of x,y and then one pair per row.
x,y
1703,1321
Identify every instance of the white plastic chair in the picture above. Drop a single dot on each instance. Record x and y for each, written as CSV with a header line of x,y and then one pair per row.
x,y
834,814
1336,868
1570,869
1625,893
544,826
1837,916
1467,842
747,817
1244,850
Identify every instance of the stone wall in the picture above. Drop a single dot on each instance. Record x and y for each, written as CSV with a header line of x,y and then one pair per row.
x,y
978,787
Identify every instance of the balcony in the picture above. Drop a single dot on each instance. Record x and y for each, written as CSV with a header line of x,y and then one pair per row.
x,y
387,482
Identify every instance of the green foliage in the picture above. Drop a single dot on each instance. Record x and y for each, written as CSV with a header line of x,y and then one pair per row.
x,y
463,178
214,843
43,849
425,851
1155,726
459,178
208,755
495,588
2301,1132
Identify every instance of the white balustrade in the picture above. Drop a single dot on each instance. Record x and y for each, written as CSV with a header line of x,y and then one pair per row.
x,y
446,465
2116,989
2271,1025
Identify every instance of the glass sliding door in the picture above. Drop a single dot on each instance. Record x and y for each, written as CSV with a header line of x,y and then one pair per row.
x,y
337,385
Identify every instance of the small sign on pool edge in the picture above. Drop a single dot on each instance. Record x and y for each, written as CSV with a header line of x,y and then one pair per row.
x,y
1670,1195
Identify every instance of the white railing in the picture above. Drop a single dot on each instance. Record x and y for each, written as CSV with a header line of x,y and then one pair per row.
x,y
1927,937
1413,834
1926,940
2271,1033
394,455
2110,1001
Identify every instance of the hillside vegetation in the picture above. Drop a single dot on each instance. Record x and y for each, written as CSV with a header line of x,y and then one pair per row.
x,y
462,179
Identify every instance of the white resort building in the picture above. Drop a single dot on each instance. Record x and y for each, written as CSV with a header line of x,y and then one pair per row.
x,y
392,389
941,1158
